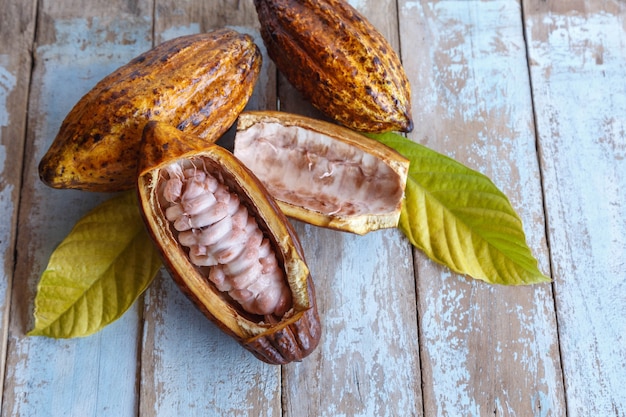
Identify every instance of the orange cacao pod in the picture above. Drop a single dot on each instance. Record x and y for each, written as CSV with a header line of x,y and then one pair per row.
x,y
339,61
198,83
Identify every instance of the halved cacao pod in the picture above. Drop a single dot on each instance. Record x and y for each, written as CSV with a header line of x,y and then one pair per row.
x,y
322,173
248,276
339,61
198,83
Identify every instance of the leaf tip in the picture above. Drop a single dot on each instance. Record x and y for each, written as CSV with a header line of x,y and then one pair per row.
x,y
36,332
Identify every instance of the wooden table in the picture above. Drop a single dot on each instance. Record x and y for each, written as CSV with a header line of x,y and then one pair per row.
x,y
530,93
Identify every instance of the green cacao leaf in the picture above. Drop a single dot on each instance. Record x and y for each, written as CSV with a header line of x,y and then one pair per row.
x,y
97,272
459,218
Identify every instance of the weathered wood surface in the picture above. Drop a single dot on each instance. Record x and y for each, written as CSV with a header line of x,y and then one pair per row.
x,y
577,57
16,32
474,104
74,46
531,93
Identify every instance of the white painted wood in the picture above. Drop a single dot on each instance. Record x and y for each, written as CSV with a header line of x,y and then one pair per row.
x,y
8,203
367,363
577,53
453,347
486,350
79,377
17,32
189,367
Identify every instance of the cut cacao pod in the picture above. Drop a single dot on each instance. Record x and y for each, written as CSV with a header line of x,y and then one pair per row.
x,y
338,61
322,173
227,244
198,83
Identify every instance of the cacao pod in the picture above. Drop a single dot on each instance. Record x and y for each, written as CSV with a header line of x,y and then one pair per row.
x,y
322,173
198,83
339,62
227,244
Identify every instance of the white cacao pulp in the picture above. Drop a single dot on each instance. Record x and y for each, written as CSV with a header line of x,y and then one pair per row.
x,y
310,169
222,235
322,173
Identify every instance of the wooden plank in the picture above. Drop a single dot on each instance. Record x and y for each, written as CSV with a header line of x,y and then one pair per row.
x,y
189,367
367,363
485,350
77,44
17,32
577,52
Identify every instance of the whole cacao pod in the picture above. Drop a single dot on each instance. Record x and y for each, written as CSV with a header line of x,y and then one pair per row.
x,y
198,83
322,173
339,62
227,244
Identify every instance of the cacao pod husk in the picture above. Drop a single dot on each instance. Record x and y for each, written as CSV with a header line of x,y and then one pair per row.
x,y
338,61
322,173
273,339
198,83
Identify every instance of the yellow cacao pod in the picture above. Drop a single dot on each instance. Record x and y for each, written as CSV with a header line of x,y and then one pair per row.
x,y
198,83
339,61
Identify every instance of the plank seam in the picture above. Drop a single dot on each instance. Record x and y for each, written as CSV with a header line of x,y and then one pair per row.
x,y
141,342
543,202
413,258
19,185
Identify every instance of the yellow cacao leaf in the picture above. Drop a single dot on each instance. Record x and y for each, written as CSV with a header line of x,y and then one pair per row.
x,y
97,272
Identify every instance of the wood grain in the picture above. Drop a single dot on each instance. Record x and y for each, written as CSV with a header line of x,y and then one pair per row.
x,y
368,361
530,93
577,53
485,349
17,33
44,376
189,367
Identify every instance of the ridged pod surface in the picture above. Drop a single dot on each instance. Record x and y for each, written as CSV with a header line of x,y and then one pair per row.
x,y
252,281
339,61
198,83
322,173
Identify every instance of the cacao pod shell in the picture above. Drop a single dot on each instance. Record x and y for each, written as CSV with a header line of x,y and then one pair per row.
x,y
198,83
322,173
289,338
339,62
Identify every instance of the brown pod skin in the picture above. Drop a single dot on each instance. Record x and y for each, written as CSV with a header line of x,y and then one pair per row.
x,y
275,340
339,62
198,83
322,173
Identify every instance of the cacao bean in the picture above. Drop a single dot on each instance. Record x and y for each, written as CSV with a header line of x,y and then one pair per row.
x,y
227,244
322,173
198,83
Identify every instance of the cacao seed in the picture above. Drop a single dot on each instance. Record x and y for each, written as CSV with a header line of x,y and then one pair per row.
x,y
322,173
227,244
339,62
198,83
